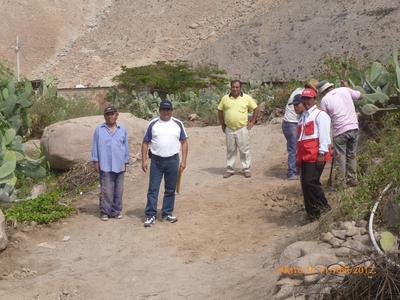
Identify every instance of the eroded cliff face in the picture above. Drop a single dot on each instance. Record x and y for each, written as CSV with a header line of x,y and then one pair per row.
x,y
87,41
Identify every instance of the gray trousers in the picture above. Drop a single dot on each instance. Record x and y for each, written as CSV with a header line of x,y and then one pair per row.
x,y
345,147
111,190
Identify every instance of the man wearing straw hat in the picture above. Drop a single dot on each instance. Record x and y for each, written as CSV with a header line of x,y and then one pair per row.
x,y
165,136
338,104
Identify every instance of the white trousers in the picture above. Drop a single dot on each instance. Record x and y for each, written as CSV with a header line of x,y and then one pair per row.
x,y
237,140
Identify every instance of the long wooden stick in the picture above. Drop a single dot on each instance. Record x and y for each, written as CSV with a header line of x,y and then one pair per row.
x,y
178,183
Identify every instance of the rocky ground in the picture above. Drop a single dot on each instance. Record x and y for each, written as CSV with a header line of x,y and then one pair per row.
x,y
226,244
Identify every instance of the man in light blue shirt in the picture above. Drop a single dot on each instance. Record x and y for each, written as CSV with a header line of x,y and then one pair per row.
x,y
110,155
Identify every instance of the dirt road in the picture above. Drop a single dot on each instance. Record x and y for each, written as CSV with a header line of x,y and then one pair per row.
x,y
223,246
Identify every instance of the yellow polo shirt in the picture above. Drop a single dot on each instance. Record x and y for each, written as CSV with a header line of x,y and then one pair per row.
x,y
236,110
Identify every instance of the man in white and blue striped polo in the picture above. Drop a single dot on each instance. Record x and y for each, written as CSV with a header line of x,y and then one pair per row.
x,y
165,136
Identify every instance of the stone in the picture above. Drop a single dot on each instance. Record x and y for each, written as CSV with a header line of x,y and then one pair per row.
x,y
310,262
356,247
339,233
289,281
303,248
3,235
193,117
335,242
32,148
276,120
352,231
69,142
47,245
194,25
342,252
37,190
284,292
362,223
312,278
326,237
347,225
364,239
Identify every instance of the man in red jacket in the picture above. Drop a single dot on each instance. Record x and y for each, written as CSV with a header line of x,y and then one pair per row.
x,y
312,153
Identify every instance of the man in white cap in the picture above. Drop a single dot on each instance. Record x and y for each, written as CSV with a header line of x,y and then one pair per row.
x,y
338,104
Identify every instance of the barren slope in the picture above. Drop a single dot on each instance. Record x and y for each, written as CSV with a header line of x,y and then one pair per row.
x,y
292,40
88,41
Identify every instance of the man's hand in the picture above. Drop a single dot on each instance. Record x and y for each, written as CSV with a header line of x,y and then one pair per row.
x,y
182,165
223,127
320,164
250,125
144,165
96,166
344,83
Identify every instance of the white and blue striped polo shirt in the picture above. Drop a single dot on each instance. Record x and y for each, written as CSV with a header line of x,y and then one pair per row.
x,y
165,136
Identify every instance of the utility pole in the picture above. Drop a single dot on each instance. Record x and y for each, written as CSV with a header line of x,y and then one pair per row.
x,y
17,50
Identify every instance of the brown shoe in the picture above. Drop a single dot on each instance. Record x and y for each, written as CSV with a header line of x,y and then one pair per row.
x,y
227,174
247,174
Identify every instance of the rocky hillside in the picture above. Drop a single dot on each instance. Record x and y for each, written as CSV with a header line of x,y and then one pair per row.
x,y
87,41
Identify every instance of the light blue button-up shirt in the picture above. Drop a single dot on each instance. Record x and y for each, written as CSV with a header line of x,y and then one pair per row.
x,y
110,149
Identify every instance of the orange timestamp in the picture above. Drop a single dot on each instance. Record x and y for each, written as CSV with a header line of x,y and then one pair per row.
x,y
330,270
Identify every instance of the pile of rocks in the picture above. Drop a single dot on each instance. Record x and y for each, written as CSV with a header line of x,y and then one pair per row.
x,y
312,268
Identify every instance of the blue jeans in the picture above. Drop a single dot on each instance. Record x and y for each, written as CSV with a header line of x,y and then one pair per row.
x,y
111,190
290,132
167,167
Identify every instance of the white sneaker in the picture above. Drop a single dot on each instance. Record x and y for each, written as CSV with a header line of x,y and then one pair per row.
x,y
170,218
150,221
104,217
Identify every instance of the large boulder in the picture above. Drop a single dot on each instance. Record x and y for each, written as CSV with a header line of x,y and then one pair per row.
x,y
69,142
3,236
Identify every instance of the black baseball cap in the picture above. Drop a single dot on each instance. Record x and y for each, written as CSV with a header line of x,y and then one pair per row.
x,y
296,99
166,104
110,109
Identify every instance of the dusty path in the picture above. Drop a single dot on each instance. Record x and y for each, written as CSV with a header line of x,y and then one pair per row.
x,y
223,246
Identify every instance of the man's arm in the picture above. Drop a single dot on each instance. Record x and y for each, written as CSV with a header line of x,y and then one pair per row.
x,y
253,120
324,129
145,149
221,119
95,154
185,148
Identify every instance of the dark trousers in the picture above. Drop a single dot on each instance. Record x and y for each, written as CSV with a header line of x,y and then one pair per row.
x,y
314,197
167,167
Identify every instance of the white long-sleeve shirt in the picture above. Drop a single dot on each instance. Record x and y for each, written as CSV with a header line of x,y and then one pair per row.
x,y
323,122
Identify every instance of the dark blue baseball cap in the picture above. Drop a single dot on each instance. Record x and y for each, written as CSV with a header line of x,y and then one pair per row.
x,y
110,109
296,99
166,104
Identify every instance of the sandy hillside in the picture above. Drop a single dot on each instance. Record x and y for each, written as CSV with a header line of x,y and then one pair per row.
x,y
87,41
223,246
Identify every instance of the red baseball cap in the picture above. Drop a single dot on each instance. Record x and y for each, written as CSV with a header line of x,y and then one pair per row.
x,y
309,93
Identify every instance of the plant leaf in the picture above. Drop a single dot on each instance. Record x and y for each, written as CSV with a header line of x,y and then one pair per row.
x,y
387,241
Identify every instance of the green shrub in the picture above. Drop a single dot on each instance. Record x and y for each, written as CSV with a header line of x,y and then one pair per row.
x,y
170,77
379,163
49,110
44,209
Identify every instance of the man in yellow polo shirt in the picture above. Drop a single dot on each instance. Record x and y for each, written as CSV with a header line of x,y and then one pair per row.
x,y
233,115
